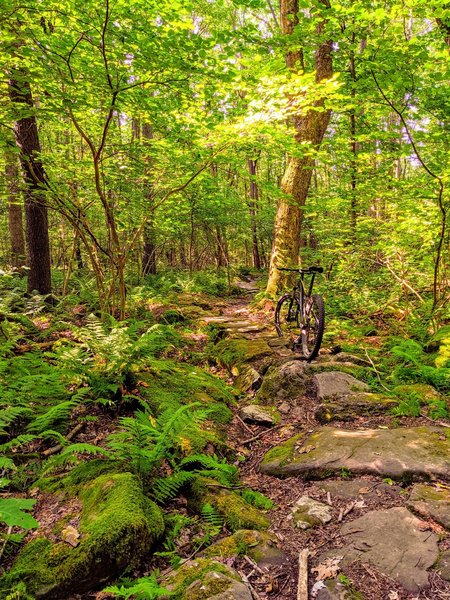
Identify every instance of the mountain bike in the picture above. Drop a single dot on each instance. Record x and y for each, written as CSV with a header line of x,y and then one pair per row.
x,y
300,315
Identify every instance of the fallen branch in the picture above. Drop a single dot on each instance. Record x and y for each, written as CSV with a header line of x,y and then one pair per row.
x,y
302,587
261,433
69,436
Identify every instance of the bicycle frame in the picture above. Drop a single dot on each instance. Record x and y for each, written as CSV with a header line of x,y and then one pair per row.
x,y
299,291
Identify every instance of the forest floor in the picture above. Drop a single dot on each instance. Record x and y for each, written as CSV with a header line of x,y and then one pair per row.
x,y
376,531
359,491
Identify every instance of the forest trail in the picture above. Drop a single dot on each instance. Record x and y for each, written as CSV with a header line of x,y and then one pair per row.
x,y
365,493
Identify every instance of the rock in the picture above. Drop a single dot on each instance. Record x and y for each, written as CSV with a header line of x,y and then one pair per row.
x,y
233,353
431,501
284,408
345,357
308,512
333,589
285,382
394,542
248,380
258,545
236,512
349,406
443,566
181,583
334,384
266,415
358,488
412,453
118,525
217,586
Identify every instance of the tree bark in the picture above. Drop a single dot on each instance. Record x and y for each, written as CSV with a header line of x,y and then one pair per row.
x,y
310,129
253,194
36,215
15,220
149,254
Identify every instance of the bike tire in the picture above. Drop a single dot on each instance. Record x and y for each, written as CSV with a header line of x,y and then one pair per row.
x,y
311,334
285,327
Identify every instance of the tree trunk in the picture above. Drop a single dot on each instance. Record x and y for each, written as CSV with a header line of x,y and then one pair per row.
x,y
15,220
36,216
149,255
310,129
252,207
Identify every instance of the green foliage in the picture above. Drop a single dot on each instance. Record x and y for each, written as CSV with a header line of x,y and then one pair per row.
x,y
14,513
257,499
145,588
145,442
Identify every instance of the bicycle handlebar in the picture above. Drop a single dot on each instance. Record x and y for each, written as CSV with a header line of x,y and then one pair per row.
x,y
305,271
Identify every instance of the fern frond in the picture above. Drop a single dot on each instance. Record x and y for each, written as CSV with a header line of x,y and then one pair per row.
x,y
55,418
16,442
257,499
166,488
71,456
146,588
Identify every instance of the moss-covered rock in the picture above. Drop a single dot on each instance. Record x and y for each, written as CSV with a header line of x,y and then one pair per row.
x,y
217,586
236,512
195,570
258,545
351,406
233,353
170,384
426,393
118,526
283,382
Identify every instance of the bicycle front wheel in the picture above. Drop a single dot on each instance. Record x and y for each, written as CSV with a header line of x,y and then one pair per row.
x,y
287,313
313,325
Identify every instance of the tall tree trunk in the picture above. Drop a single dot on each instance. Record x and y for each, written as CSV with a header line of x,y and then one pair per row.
x,y
149,254
15,220
36,216
310,129
253,194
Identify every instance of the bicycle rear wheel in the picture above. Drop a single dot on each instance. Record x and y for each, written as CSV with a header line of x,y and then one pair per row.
x,y
287,317
313,325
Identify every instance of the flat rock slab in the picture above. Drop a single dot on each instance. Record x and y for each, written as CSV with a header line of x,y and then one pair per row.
x,y
431,501
414,452
443,566
332,384
308,512
358,488
393,541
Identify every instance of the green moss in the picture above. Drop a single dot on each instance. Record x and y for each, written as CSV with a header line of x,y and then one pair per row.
x,y
194,570
171,384
244,541
283,453
237,513
118,525
231,353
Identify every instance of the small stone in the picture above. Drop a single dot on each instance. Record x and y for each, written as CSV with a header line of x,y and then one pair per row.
x,y
265,415
284,408
71,535
308,512
332,589
248,380
431,501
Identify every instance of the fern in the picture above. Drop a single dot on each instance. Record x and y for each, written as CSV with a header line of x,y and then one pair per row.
x,y
213,521
146,588
70,456
56,417
10,414
211,466
257,499
16,442
166,488
144,441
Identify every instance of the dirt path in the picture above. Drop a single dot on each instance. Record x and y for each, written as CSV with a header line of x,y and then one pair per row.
x,y
376,533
